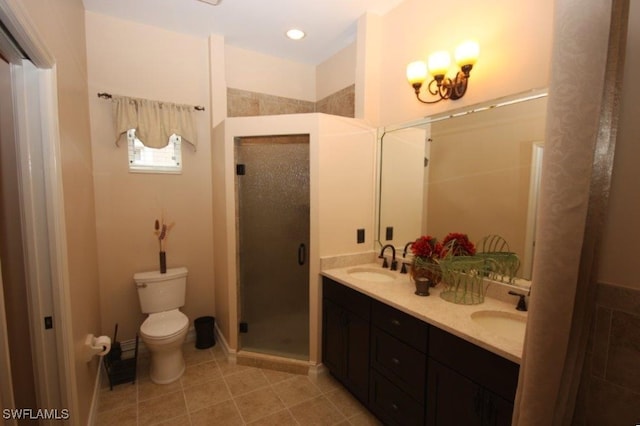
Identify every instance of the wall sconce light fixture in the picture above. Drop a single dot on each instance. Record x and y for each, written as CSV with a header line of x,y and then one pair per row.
x,y
443,87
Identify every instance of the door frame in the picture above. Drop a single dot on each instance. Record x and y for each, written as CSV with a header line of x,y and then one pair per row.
x,y
34,85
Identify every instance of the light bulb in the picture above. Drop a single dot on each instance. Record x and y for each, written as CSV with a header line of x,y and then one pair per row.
x,y
467,53
416,72
439,63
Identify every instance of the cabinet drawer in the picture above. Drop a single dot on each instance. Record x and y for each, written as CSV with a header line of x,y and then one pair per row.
x,y
406,328
399,362
480,365
392,405
346,297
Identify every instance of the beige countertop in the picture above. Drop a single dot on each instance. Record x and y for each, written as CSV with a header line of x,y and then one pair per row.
x,y
453,318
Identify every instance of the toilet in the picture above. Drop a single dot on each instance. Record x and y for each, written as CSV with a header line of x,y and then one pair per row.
x,y
165,329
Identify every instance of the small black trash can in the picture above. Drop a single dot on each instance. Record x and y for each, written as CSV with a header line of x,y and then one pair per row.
x,y
204,332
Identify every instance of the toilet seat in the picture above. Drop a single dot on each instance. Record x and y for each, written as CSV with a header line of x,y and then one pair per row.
x,y
164,325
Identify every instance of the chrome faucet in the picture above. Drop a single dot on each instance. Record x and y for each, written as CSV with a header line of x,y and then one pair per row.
x,y
394,262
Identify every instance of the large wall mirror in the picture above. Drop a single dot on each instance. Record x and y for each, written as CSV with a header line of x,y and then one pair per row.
x,y
474,171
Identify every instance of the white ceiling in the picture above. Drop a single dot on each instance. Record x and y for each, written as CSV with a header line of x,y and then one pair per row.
x,y
257,25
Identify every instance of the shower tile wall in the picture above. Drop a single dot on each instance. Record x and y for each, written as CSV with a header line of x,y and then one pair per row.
x,y
341,102
610,390
243,103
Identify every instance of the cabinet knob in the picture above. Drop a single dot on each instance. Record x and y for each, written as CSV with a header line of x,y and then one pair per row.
x,y
394,407
395,361
395,322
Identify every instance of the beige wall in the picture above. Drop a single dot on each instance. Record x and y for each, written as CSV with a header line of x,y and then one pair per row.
x,y
61,25
257,72
622,227
337,72
346,184
137,60
224,235
369,76
515,49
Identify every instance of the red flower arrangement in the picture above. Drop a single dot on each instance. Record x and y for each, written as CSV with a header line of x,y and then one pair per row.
x,y
427,247
428,252
457,244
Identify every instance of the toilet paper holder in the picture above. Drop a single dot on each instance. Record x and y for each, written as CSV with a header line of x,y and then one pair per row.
x,y
100,345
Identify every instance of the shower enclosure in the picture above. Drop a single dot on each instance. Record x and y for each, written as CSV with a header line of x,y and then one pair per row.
x,y
272,186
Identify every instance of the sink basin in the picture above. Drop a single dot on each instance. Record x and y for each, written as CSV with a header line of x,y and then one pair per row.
x,y
371,274
504,324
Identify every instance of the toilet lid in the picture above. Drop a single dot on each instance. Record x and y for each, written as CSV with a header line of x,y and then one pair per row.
x,y
164,324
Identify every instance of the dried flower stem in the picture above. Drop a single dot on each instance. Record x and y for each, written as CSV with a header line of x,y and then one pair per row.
x,y
162,233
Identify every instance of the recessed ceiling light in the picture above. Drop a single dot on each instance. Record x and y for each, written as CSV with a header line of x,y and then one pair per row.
x,y
295,34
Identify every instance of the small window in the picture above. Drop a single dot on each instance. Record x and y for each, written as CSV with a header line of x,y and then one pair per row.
x,y
143,159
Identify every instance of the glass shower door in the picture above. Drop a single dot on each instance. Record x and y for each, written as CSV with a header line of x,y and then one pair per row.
x,y
272,182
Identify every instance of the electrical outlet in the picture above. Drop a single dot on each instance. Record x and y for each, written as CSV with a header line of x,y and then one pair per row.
x,y
389,233
360,236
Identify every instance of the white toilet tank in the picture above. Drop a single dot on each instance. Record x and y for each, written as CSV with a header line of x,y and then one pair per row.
x,y
161,292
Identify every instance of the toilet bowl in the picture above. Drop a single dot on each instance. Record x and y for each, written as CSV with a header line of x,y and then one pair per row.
x,y
165,328
163,334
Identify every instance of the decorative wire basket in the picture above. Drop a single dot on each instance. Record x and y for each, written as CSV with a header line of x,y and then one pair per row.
x,y
462,277
502,264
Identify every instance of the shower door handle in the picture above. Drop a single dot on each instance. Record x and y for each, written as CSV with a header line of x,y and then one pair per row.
x,y
302,254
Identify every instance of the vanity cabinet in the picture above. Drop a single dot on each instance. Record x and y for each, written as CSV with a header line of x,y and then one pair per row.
x,y
467,384
398,366
408,372
345,338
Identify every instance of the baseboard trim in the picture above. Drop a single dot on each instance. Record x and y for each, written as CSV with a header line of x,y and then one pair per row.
x,y
230,354
95,401
273,362
317,370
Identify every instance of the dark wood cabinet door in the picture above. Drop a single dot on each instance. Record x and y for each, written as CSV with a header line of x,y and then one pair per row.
x,y
357,369
496,411
452,399
345,348
402,364
392,405
334,341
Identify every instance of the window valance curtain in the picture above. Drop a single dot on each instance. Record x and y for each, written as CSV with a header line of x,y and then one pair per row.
x,y
153,121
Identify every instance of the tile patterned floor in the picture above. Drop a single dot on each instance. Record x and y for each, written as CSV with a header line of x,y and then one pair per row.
x,y
214,392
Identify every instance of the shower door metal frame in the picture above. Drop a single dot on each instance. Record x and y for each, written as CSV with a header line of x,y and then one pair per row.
x,y
301,255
